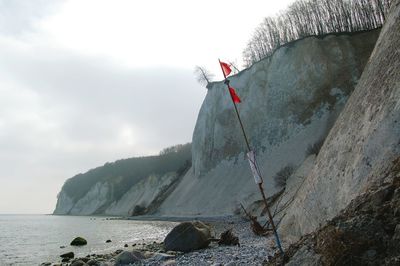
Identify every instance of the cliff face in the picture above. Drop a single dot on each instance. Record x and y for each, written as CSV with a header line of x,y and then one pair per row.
x,y
289,102
141,195
125,187
363,145
96,197
100,199
281,95
64,203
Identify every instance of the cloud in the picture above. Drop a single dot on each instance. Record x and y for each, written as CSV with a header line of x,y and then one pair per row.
x,y
86,82
90,92
62,113
19,16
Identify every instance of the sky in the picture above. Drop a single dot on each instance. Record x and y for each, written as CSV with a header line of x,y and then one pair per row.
x,y
85,82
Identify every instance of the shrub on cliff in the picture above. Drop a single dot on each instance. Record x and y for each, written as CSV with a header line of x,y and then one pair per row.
x,y
282,175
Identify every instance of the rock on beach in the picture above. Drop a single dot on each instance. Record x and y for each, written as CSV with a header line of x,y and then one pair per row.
x,y
69,255
126,258
78,241
188,236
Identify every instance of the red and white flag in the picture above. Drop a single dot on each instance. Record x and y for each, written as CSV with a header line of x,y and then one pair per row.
x,y
225,68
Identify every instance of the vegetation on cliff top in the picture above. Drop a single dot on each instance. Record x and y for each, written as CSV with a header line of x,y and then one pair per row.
x,y
123,174
313,17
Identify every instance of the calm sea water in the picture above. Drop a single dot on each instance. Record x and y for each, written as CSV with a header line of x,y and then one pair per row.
x,y
33,239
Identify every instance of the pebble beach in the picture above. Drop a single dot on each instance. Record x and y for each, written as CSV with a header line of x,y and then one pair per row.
x,y
253,250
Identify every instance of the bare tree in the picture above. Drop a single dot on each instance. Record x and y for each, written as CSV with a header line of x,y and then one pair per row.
x,y
203,76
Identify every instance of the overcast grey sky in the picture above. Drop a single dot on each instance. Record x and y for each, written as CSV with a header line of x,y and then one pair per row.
x,y
84,82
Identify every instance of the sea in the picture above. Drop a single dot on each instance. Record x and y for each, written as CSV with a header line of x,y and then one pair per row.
x,y
34,239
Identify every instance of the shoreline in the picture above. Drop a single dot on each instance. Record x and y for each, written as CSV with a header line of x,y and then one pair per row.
x,y
180,218
153,218
253,250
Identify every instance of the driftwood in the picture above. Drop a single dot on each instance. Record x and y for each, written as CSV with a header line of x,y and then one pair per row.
x,y
280,206
256,227
228,238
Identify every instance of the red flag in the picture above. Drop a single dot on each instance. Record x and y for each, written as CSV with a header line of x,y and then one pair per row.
x,y
234,96
225,68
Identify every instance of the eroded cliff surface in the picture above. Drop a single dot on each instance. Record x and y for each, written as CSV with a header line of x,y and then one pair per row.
x,y
362,145
289,102
125,187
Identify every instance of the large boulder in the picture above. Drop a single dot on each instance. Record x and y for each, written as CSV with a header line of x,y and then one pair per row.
x,y
78,241
188,236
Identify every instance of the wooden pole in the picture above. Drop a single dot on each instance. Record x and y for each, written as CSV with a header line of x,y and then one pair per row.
x,y
260,186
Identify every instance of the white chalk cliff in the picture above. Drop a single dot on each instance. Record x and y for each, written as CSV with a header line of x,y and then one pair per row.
x,y
100,199
289,102
142,194
361,147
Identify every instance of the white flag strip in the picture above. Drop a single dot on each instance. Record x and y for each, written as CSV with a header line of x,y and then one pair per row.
x,y
254,168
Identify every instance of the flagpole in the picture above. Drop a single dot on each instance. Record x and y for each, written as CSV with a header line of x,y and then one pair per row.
x,y
260,186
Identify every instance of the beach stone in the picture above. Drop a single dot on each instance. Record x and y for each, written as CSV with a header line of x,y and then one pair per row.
x,y
106,264
126,245
45,264
65,260
163,256
108,241
78,241
84,259
125,258
171,252
79,263
69,255
188,236
93,263
138,254
169,263
148,254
